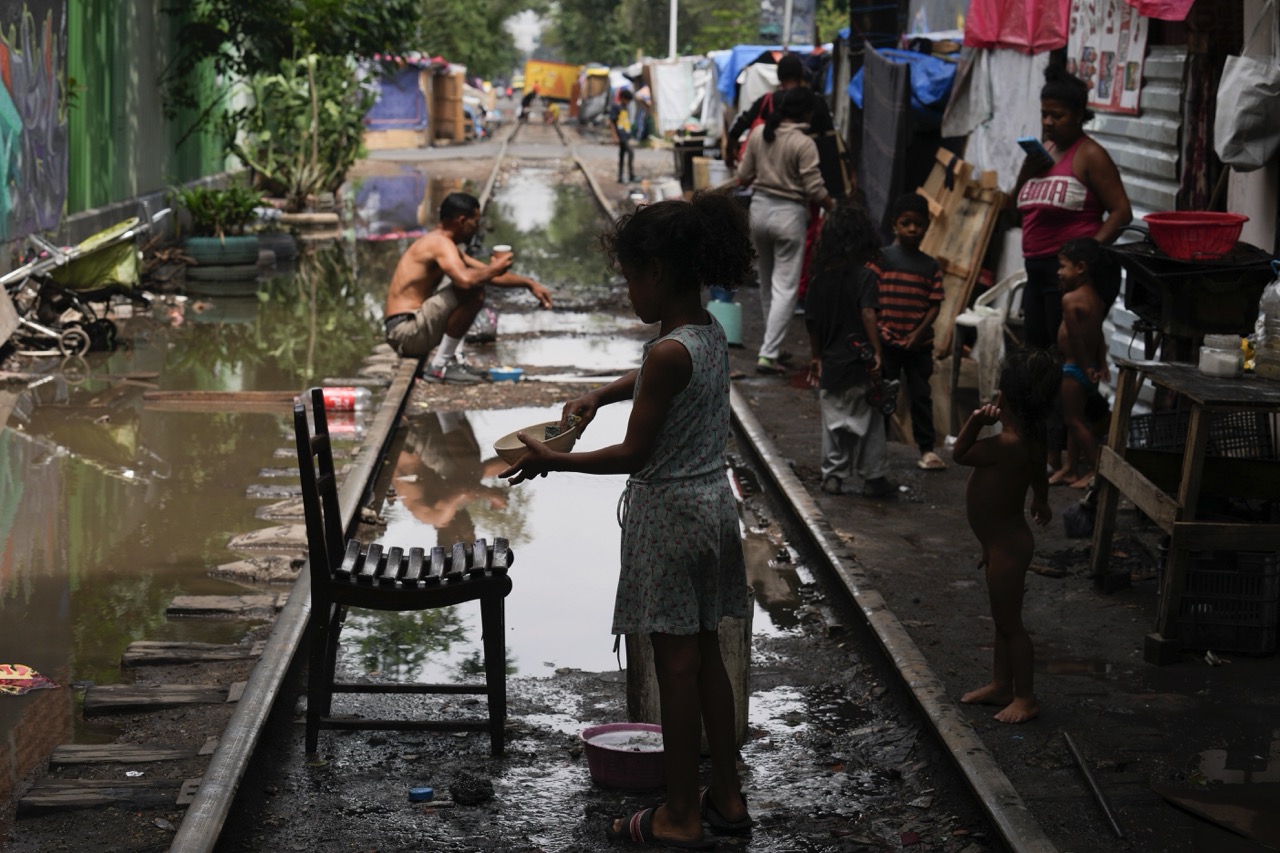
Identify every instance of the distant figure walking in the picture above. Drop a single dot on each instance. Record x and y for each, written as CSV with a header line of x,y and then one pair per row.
x,y
1005,466
620,121
682,562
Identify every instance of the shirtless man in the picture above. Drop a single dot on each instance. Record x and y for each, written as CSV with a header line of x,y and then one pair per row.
x,y
426,312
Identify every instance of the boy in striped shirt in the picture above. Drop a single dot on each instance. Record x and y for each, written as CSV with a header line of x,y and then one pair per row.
x,y
910,297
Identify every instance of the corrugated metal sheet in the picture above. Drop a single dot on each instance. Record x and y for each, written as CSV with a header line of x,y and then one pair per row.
x,y
1146,150
1145,147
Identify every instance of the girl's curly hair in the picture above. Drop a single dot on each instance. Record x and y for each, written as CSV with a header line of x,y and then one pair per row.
x,y
695,243
848,240
1029,383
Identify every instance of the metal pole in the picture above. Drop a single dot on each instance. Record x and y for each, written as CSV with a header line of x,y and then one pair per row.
x,y
786,23
1093,785
671,30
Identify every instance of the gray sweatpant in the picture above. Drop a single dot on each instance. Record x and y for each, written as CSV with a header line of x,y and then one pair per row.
x,y
777,230
853,436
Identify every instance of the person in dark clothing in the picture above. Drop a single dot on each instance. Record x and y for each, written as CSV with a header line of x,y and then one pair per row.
x,y
620,121
791,74
840,313
528,99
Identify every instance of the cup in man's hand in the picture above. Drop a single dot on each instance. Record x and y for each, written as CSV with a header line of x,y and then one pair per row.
x,y
502,249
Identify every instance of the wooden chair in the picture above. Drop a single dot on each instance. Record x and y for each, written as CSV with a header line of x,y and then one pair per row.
x,y
346,573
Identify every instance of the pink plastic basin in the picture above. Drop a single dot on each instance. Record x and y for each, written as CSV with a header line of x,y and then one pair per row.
x,y
624,755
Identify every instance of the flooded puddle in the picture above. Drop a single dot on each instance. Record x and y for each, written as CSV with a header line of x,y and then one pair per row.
x,y
112,504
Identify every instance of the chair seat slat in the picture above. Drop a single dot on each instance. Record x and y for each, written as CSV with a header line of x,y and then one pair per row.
x,y
395,563
457,563
413,569
479,563
372,557
500,560
436,572
350,560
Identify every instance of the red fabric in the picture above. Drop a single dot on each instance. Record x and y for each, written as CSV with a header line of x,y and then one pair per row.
x,y
1165,10
1027,26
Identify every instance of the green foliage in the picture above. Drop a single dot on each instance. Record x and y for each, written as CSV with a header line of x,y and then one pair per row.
x,y
470,32
303,128
582,31
216,212
242,39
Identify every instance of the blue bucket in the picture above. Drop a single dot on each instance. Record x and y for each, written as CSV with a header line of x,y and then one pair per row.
x,y
730,316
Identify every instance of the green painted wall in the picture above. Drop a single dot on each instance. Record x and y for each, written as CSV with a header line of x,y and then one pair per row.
x,y
120,143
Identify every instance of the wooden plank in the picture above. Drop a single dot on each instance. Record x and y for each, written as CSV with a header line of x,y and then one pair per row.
x,y
224,606
52,795
115,698
114,753
219,401
151,652
1133,484
1203,536
236,691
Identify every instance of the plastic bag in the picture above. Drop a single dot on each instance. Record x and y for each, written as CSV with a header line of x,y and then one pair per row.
x,y
1246,128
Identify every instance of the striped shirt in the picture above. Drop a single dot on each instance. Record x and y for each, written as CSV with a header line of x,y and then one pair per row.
x,y
910,284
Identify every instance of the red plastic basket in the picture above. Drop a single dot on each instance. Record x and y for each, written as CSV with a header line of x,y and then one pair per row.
x,y
1195,235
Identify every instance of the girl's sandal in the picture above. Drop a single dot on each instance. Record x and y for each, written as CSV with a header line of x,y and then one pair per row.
x,y
638,829
717,821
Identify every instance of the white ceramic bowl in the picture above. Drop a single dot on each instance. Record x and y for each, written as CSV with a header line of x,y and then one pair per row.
x,y
511,449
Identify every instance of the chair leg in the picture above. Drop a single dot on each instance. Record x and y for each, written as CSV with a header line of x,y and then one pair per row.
x,y
492,620
317,682
332,637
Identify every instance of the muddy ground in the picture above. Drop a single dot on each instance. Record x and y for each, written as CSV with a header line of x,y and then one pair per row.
x,y
836,759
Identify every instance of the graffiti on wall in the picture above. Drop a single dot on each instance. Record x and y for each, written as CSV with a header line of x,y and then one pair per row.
x,y
33,116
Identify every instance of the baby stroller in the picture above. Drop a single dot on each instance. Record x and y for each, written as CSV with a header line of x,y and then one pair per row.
x,y
51,304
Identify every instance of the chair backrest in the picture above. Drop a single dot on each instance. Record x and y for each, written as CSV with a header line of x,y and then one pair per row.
x,y
320,505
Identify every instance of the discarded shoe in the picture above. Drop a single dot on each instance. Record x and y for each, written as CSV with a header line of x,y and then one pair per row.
x,y
451,372
720,824
877,488
831,484
769,366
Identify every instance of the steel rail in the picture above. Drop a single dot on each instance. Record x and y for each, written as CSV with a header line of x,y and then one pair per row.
x,y
202,825
996,794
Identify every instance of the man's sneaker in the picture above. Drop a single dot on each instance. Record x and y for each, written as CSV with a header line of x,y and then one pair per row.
x,y
831,485
475,370
769,366
451,372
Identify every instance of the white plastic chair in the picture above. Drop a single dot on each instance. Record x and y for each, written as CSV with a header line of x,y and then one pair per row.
x,y
1003,301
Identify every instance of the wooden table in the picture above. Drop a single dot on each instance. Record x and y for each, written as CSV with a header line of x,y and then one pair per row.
x,y
1168,493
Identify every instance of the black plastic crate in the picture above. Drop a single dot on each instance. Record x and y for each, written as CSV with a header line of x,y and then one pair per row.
x,y
1230,602
1240,435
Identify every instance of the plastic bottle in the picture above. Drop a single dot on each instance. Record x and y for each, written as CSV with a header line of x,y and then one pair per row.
x,y
1267,355
347,399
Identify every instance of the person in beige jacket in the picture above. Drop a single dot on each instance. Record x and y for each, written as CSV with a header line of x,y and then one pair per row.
x,y
780,164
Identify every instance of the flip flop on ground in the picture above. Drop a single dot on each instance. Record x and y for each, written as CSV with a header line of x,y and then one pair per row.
x,y
717,821
930,461
638,829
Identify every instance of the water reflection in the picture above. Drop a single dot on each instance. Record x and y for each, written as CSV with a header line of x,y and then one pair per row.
x,y
111,504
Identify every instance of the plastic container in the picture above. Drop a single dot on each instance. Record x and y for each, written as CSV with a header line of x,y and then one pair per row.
x,y
421,795
506,374
347,399
1221,356
1230,602
729,315
1267,354
624,755
1195,235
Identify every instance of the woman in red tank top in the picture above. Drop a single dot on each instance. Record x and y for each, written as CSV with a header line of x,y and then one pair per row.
x,y
1075,193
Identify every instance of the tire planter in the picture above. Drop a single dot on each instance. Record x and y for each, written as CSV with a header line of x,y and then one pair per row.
x,y
218,280
229,251
284,245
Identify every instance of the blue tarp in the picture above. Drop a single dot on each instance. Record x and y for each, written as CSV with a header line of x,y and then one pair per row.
x,y
400,104
931,80
729,64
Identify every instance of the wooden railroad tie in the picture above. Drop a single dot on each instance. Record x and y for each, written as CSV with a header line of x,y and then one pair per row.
x,y
155,652
53,795
122,698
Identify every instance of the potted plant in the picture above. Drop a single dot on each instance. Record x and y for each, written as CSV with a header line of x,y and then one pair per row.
x,y
217,242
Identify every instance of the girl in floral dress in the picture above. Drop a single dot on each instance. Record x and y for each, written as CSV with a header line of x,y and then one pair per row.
x,y
682,565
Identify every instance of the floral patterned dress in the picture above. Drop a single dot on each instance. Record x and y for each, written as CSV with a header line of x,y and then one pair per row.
x,y
682,565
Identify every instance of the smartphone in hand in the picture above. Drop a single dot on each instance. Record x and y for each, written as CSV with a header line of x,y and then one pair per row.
x,y
1031,145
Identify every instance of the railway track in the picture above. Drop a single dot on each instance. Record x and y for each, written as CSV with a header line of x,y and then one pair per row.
x,y
209,795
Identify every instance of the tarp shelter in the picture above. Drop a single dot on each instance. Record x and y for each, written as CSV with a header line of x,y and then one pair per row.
x,y
1029,26
930,84
885,132
730,63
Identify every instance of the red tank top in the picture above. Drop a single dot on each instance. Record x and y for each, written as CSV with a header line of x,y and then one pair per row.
x,y
1057,207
